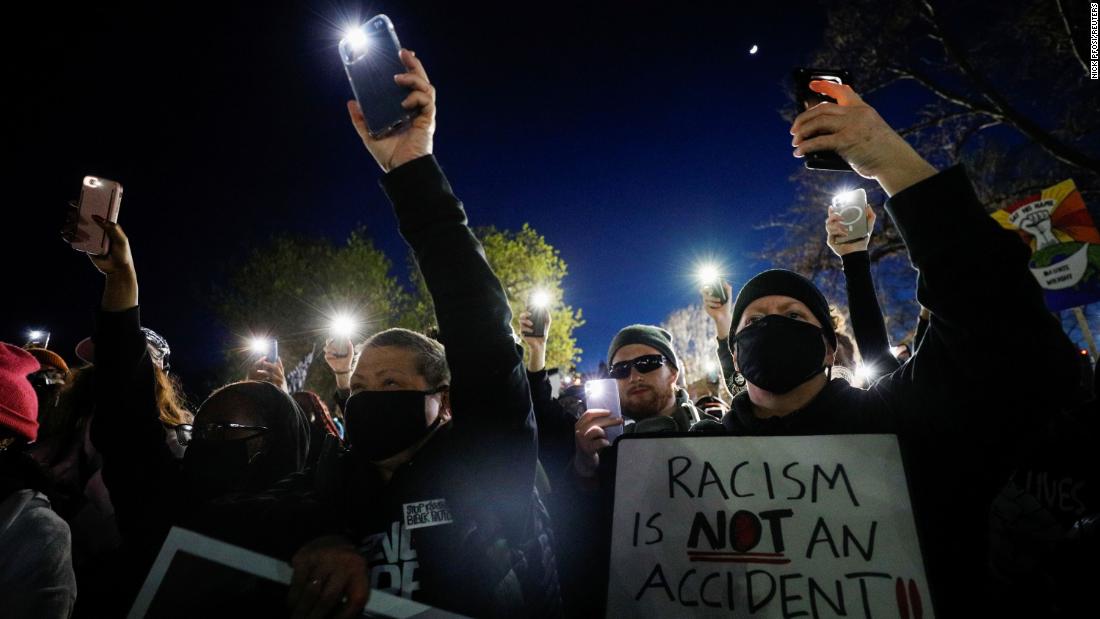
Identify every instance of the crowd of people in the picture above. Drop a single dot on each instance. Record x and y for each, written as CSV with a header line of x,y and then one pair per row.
x,y
99,462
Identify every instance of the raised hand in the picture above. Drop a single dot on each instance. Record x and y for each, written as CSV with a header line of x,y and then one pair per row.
x,y
264,370
413,140
720,313
836,231
536,360
856,132
589,438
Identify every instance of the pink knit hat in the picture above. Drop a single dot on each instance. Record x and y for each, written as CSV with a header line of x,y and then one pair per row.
x,y
18,401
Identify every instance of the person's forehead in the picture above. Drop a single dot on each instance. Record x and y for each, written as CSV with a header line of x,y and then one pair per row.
x,y
775,303
383,359
230,410
633,351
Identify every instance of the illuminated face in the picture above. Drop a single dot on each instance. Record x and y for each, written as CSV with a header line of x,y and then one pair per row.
x,y
393,368
645,395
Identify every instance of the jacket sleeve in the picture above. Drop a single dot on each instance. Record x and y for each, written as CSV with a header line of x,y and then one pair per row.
x,y
725,360
555,426
868,326
989,314
139,469
490,397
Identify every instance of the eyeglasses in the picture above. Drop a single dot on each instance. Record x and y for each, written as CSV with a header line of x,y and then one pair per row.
x,y
644,364
186,432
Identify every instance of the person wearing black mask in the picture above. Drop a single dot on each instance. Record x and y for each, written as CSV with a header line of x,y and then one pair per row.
x,y
438,502
959,428
244,438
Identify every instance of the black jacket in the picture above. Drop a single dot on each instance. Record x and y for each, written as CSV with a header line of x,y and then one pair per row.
x,y
868,326
488,553
958,422
486,468
140,470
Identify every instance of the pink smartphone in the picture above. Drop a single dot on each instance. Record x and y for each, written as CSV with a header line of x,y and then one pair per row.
x,y
98,196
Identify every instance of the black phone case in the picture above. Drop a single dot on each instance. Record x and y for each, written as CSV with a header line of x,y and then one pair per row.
x,y
822,160
718,290
538,318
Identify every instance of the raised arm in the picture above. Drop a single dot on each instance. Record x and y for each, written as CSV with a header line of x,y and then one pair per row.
x,y
973,277
868,325
139,469
489,392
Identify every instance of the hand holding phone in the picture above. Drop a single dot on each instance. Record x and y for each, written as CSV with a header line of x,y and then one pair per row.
x,y
717,289
848,220
604,394
807,98
99,197
391,141
372,57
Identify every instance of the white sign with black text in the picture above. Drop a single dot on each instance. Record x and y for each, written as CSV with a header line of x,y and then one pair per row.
x,y
810,526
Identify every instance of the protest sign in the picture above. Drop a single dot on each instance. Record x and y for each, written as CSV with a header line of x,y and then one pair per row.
x,y
1064,242
198,576
791,526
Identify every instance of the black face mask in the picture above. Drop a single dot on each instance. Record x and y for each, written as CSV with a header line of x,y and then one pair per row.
x,y
380,424
217,467
777,353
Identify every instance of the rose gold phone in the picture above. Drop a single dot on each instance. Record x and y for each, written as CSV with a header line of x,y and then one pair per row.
x,y
98,196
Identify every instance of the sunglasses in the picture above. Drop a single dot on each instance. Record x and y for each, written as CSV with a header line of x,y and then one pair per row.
x,y
185,432
644,364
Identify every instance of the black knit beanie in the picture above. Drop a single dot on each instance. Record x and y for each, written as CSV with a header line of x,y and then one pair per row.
x,y
788,284
654,337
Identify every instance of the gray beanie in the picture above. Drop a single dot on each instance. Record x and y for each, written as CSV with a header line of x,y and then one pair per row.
x,y
649,335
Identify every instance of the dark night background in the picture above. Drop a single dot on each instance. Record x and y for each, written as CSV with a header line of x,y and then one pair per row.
x,y
635,137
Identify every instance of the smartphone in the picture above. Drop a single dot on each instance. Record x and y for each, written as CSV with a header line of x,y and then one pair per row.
x,y
852,208
272,351
98,196
716,289
341,347
371,56
821,160
604,394
540,315
37,338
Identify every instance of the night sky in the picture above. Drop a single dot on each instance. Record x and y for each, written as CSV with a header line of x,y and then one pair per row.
x,y
635,137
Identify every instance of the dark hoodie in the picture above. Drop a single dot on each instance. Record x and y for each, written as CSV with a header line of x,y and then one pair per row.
x,y
146,480
959,422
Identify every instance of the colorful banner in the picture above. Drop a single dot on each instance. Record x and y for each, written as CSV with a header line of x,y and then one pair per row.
x,y
1064,242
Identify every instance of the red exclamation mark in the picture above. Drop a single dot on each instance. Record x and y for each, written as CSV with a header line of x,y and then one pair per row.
x,y
914,597
903,601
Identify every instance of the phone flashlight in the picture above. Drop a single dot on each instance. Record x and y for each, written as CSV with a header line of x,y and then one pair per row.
x,y
711,279
851,206
865,373
356,38
604,394
712,372
37,338
538,305
267,348
343,328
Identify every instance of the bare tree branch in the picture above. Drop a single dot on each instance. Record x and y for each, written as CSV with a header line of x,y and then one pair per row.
x,y
1045,139
1069,34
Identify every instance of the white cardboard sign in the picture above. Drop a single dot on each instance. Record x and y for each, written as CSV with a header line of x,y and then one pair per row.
x,y
785,526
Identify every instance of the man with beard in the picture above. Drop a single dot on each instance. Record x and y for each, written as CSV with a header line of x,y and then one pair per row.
x,y
646,368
